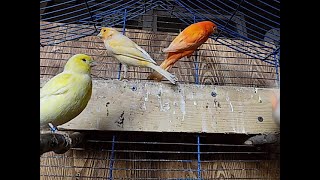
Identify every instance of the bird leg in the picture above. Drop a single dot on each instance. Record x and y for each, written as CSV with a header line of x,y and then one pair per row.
x,y
53,128
125,69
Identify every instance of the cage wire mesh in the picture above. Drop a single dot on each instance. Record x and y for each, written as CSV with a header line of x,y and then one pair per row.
x,y
245,52
137,155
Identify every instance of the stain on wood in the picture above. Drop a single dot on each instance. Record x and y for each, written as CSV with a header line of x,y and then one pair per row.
x,y
163,107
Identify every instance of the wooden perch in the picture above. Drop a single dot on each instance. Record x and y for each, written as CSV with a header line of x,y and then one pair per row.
x,y
59,142
159,107
263,139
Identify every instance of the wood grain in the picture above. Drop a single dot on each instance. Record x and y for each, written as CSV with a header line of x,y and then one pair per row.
x,y
162,107
74,164
79,164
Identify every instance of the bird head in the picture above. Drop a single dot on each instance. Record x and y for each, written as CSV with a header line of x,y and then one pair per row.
x,y
80,63
210,27
106,33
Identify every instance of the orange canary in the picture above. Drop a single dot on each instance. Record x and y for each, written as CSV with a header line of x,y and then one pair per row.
x,y
185,44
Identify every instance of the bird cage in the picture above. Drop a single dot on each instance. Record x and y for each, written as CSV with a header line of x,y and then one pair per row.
x,y
137,128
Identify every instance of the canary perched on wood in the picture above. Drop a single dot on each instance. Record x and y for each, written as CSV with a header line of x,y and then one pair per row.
x,y
129,53
185,44
66,95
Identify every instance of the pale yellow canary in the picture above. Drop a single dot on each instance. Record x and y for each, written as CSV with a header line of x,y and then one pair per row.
x,y
66,95
129,53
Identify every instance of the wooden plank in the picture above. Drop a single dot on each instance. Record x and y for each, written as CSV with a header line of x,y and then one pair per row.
x,y
162,107
238,170
74,164
78,164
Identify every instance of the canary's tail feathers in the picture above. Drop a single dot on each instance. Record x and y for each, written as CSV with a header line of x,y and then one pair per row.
x,y
157,76
159,72
164,49
168,50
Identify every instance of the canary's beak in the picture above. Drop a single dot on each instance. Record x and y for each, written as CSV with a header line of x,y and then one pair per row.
x,y
215,30
99,35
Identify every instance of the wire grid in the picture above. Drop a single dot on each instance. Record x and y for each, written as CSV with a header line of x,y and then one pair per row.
x,y
240,54
137,155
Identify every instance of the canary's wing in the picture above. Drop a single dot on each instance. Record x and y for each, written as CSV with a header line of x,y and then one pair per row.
x,y
186,40
56,86
130,49
145,53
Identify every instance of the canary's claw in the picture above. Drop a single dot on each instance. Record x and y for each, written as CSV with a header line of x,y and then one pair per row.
x,y
52,128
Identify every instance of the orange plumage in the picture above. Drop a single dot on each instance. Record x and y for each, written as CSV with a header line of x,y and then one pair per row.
x,y
185,44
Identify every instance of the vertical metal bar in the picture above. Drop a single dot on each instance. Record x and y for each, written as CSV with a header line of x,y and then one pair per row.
x,y
123,32
196,63
199,162
112,158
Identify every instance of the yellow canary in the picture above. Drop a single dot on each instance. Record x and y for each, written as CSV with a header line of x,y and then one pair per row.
x,y
129,53
66,95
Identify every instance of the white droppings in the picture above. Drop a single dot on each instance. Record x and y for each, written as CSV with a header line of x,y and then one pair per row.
x,y
230,104
147,94
144,105
260,100
231,107
194,103
174,112
182,104
166,106
183,108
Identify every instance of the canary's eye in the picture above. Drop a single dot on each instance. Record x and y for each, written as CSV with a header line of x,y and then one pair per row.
x,y
84,60
104,30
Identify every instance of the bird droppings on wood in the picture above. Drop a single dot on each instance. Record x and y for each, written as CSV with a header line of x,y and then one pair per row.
x,y
179,112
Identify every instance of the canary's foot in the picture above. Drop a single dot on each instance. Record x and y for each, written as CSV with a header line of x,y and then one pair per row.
x,y
53,128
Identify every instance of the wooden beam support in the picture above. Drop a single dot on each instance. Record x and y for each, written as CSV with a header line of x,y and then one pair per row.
x,y
162,107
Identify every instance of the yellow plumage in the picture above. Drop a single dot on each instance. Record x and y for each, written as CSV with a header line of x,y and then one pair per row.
x,y
129,53
66,95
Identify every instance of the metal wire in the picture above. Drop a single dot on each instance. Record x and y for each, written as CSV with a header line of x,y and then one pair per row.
x,y
131,157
